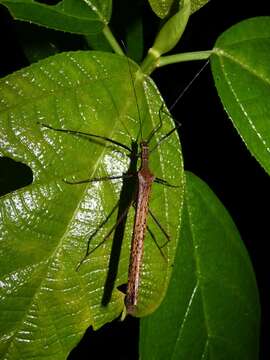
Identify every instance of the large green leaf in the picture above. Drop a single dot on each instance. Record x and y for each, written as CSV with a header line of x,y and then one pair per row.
x,y
163,7
211,310
46,304
241,71
75,16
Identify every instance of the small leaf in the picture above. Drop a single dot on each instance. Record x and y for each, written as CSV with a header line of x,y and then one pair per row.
x,y
46,305
162,8
211,309
240,66
75,16
197,4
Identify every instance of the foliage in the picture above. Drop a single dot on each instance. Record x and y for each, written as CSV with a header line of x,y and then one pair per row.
x,y
47,302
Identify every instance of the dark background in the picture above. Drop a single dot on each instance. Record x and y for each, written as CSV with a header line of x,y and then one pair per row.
x,y
212,150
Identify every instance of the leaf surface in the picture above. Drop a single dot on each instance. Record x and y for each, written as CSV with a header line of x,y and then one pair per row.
x,y
241,71
46,304
211,310
162,7
75,16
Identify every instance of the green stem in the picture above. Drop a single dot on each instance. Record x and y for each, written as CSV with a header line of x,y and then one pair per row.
x,y
112,41
150,62
190,56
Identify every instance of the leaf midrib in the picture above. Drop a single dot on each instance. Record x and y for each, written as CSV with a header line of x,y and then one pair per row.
x,y
222,53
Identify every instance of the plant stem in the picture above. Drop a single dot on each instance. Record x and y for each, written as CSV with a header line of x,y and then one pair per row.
x,y
112,41
190,56
150,62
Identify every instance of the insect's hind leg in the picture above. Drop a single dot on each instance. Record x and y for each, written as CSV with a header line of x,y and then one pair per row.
x,y
120,219
167,236
165,183
103,223
155,241
161,228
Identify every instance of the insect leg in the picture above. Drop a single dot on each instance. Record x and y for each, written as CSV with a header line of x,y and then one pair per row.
x,y
120,219
161,228
104,178
88,135
164,182
155,241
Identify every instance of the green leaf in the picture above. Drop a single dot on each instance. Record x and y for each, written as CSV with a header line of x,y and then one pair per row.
x,y
211,309
75,16
240,66
197,4
46,305
162,8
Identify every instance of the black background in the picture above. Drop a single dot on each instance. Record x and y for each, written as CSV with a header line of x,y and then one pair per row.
x,y
212,150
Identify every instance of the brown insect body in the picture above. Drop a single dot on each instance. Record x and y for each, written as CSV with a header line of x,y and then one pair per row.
x,y
145,181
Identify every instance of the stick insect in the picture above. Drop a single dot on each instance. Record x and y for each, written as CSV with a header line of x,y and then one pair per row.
x,y
145,180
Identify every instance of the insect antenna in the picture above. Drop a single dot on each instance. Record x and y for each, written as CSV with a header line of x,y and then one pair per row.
x,y
132,81
182,93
